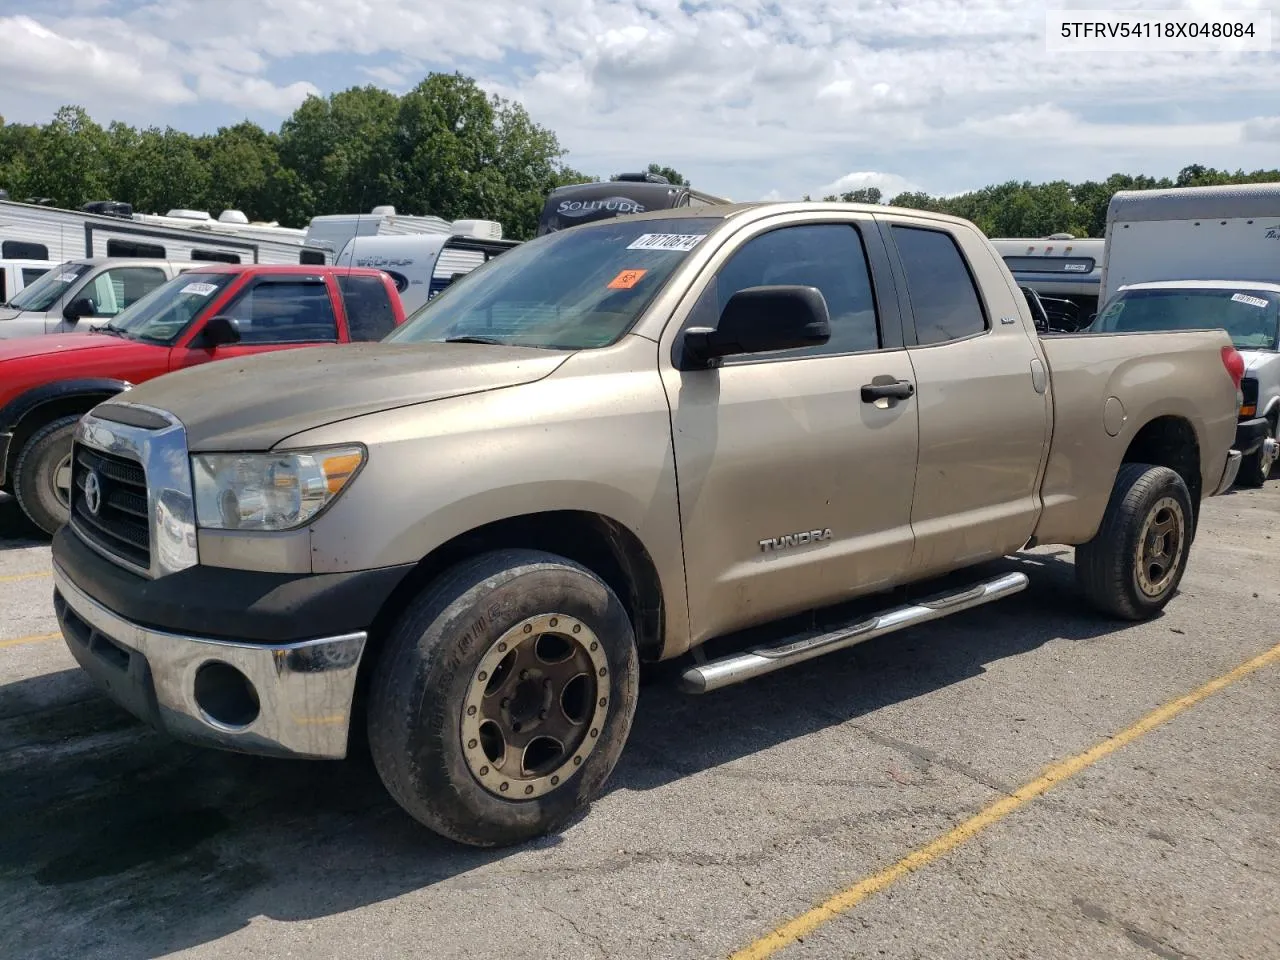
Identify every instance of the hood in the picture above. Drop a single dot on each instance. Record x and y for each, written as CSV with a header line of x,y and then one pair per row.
x,y
253,403
9,313
51,344
1254,360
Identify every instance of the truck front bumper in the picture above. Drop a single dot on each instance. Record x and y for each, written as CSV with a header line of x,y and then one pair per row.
x,y
1250,435
289,699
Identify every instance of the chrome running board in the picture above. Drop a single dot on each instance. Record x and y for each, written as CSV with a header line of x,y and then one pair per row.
x,y
758,661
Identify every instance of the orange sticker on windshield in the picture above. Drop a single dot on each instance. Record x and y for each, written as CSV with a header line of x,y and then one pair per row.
x,y
626,279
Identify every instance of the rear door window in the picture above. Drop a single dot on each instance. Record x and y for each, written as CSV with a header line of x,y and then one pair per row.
x,y
285,311
943,297
370,315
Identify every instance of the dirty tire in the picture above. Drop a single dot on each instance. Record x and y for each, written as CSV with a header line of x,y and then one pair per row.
x,y
1253,471
425,673
1110,567
33,473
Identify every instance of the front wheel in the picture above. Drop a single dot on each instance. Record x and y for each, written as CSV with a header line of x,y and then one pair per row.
x,y
42,474
503,698
1132,566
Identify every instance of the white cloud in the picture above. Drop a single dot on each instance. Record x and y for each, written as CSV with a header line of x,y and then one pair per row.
x,y
37,58
743,97
1265,129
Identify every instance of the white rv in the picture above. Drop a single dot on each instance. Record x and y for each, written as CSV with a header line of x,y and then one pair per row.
x,y
1205,257
111,229
1064,270
333,232
424,264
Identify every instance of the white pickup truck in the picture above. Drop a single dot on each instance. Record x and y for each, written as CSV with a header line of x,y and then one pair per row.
x,y
1199,258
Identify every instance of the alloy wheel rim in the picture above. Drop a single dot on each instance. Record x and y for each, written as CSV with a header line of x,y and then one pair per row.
x,y
535,707
62,481
1160,546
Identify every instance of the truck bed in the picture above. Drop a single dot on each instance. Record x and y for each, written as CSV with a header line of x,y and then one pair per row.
x,y
1100,382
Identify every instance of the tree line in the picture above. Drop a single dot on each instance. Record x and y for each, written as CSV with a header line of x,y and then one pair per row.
x,y
1025,209
445,148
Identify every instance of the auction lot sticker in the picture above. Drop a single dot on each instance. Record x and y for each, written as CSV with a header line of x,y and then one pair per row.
x,y
681,242
1251,301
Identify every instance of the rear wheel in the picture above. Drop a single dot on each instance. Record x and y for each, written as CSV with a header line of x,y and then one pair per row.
x,y
504,697
1255,469
42,474
1132,566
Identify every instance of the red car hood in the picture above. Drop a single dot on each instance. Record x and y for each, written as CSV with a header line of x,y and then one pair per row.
x,y
52,344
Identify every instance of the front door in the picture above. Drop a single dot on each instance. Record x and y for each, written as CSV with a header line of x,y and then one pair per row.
x,y
794,490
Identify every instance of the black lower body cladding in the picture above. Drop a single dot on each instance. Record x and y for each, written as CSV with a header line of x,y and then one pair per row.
x,y
240,605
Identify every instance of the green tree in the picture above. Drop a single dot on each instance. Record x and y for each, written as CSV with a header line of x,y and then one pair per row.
x,y
861,195
70,161
343,151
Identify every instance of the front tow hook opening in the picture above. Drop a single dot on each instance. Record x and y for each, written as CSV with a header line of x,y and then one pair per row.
x,y
226,697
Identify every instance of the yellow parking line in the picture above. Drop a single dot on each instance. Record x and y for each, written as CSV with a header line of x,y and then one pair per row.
x,y
15,577
36,638
850,897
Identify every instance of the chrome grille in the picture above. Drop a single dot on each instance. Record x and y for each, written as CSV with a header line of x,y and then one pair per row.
x,y
120,525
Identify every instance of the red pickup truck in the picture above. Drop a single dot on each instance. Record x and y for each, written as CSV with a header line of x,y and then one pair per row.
x,y
211,313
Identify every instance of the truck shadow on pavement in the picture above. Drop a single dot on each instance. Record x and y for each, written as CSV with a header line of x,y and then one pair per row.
x,y
16,531
130,846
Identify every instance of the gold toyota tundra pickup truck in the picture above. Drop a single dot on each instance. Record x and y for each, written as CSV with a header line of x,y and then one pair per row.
x,y
609,445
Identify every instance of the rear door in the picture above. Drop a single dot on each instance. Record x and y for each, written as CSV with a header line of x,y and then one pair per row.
x,y
770,448
982,394
274,312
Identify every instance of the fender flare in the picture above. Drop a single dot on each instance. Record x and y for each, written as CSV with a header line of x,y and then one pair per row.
x,y
13,412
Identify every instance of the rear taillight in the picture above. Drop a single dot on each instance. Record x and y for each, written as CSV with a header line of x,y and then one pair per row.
x,y
1234,363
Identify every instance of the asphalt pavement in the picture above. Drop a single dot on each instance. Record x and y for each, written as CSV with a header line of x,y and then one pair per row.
x,y
864,781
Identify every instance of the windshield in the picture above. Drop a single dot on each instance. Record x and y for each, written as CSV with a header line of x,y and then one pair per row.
x,y
44,293
165,312
1248,316
566,291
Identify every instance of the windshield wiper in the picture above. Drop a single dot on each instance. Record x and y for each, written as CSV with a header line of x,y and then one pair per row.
x,y
108,328
490,340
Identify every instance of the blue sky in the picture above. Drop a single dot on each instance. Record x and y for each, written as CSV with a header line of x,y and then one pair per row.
x,y
749,99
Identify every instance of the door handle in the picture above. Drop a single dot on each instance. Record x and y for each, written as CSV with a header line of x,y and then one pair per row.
x,y
893,390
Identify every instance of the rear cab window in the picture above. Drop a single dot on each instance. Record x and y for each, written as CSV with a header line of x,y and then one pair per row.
x,y
370,315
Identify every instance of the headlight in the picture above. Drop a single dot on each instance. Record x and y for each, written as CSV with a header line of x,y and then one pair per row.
x,y
269,491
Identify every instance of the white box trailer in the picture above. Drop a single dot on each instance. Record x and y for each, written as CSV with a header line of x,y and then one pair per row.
x,y
1192,233
38,232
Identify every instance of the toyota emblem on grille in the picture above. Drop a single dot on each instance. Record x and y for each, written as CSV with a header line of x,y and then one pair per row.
x,y
92,492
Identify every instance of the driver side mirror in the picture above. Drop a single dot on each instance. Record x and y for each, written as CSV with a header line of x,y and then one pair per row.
x,y
220,331
78,308
761,320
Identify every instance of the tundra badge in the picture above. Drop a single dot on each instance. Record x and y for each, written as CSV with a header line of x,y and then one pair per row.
x,y
774,544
